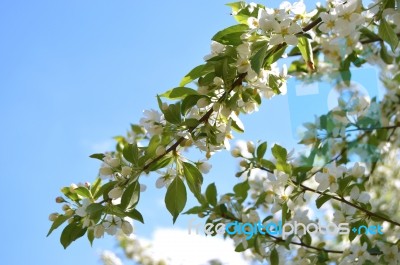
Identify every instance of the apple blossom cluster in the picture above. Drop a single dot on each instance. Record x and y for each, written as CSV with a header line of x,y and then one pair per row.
x,y
242,68
278,193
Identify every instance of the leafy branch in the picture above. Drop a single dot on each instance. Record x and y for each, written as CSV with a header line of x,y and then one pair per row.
x,y
340,199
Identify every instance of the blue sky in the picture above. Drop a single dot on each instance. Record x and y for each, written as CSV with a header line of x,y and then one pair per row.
x,y
73,74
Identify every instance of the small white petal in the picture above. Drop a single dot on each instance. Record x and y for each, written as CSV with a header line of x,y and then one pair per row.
x,y
291,40
115,193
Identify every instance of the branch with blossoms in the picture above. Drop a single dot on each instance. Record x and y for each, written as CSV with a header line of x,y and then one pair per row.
x,y
241,69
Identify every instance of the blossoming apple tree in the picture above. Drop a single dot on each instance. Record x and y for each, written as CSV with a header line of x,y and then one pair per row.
x,y
243,71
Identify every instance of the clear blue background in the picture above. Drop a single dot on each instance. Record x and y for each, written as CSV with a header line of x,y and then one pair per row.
x,y
73,74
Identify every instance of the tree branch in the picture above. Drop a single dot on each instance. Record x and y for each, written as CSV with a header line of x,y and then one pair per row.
x,y
279,239
340,199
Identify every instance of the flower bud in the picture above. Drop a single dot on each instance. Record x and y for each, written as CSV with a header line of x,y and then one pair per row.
x,y
60,199
204,167
250,147
160,150
235,152
66,207
188,143
53,216
114,162
72,187
106,171
164,106
218,81
69,212
126,228
87,185
203,102
115,193
98,231
244,163
126,171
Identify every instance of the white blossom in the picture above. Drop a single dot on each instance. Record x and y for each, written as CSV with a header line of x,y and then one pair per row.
x,y
216,48
152,121
204,166
283,32
81,211
328,178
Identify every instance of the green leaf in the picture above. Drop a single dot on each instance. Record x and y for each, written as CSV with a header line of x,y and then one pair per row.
x,y
387,34
189,102
239,12
388,4
283,166
211,194
191,123
114,210
135,215
83,191
173,113
226,71
322,200
284,213
231,35
236,6
175,198
241,191
237,125
59,221
268,164
90,235
279,153
370,35
94,210
307,239
384,54
345,70
274,257
179,93
305,48
193,177
257,61
196,72
261,149
67,192
195,210
98,156
131,153
70,233
163,162
274,55
356,225
131,196
95,187
154,143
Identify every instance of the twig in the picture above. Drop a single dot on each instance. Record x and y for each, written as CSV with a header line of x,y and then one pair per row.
x,y
340,199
